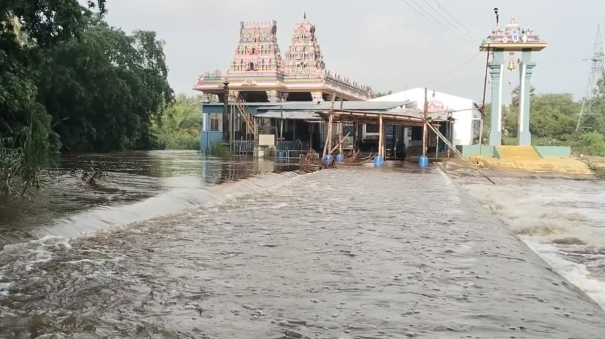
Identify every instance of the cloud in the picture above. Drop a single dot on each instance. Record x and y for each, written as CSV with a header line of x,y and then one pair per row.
x,y
383,43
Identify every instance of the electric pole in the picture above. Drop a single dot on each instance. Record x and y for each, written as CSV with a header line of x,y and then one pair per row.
x,y
590,117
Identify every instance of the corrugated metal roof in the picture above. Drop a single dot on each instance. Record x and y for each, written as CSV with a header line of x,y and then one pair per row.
x,y
406,117
348,105
416,113
252,104
289,115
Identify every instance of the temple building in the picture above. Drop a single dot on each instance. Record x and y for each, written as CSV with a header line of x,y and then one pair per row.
x,y
260,73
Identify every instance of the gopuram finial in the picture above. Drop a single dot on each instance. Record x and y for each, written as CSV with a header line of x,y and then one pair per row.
x,y
305,15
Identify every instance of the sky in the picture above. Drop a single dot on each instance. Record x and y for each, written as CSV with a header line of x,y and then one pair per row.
x,y
386,44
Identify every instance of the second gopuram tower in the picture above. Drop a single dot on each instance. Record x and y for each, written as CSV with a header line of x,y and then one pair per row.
x,y
259,73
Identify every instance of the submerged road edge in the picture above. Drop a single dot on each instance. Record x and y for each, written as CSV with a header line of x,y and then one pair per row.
x,y
473,204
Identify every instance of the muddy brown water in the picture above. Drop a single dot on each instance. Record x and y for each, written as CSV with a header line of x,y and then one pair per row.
x,y
344,253
137,186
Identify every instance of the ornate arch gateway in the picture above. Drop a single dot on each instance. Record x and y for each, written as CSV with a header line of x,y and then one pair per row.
x,y
510,41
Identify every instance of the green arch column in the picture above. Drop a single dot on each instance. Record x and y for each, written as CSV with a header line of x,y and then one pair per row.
x,y
526,71
495,119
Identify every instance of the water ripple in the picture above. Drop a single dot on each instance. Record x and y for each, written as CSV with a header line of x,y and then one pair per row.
x,y
356,253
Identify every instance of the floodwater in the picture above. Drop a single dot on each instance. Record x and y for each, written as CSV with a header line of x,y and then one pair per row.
x,y
562,220
137,186
342,253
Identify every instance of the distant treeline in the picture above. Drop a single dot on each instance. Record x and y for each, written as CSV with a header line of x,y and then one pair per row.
x,y
69,81
554,119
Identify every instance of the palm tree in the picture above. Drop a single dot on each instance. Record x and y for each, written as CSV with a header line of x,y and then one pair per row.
x,y
183,116
516,98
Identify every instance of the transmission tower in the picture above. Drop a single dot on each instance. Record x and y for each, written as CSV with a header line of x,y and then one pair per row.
x,y
589,117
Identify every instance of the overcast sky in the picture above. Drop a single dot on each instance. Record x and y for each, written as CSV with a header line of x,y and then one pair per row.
x,y
387,44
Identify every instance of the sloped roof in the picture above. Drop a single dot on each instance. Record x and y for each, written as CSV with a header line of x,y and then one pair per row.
x,y
404,95
326,105
289,115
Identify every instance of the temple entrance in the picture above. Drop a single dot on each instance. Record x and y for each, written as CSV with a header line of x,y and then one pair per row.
x,y
259,96
300,96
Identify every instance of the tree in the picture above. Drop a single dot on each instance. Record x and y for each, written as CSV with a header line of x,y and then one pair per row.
x,y
182,116
27,29
180,124
553,116
104,89
515,97
379,94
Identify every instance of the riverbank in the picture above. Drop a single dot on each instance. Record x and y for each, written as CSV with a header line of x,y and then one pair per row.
x,y
336,253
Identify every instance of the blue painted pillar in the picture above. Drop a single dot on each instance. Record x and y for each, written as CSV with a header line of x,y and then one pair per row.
x,y
495,120
205,120
526,71
204,131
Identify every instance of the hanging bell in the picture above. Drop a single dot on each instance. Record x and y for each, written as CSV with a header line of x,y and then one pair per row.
x,y
511,65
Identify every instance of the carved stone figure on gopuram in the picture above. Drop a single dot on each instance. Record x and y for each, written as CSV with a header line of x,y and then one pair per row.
x,y
257,49
258,71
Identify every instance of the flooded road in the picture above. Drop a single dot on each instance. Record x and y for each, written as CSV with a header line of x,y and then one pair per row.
x,y
562,220
66,206
344,253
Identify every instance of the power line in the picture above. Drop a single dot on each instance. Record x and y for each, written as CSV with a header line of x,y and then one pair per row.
x,y
457,68
453,17
434,20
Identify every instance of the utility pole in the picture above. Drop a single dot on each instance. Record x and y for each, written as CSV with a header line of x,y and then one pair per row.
x,y
588,119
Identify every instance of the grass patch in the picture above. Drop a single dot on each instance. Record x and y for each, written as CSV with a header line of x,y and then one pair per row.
x,y
219,150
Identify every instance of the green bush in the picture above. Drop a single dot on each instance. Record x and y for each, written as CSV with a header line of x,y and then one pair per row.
x,y
178,141
219,150
591,143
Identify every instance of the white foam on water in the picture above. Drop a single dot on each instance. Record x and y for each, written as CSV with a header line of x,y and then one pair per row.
x,y
182,195
29,254
280,205
577,274
544,212
4,287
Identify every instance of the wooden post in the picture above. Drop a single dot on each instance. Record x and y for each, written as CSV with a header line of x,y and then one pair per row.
x,y
425,127
384,141
482,110
330,131
310,137
355,135
340,130
281,125
328,144
340,137
380,135
449,135
437,148
331,122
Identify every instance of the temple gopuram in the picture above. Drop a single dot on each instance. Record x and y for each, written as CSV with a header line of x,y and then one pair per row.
x,y
259,72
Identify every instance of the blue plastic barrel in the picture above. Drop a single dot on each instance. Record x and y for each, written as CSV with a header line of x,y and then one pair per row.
x,y
378,161
339,157
423,161
281,154
328,159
